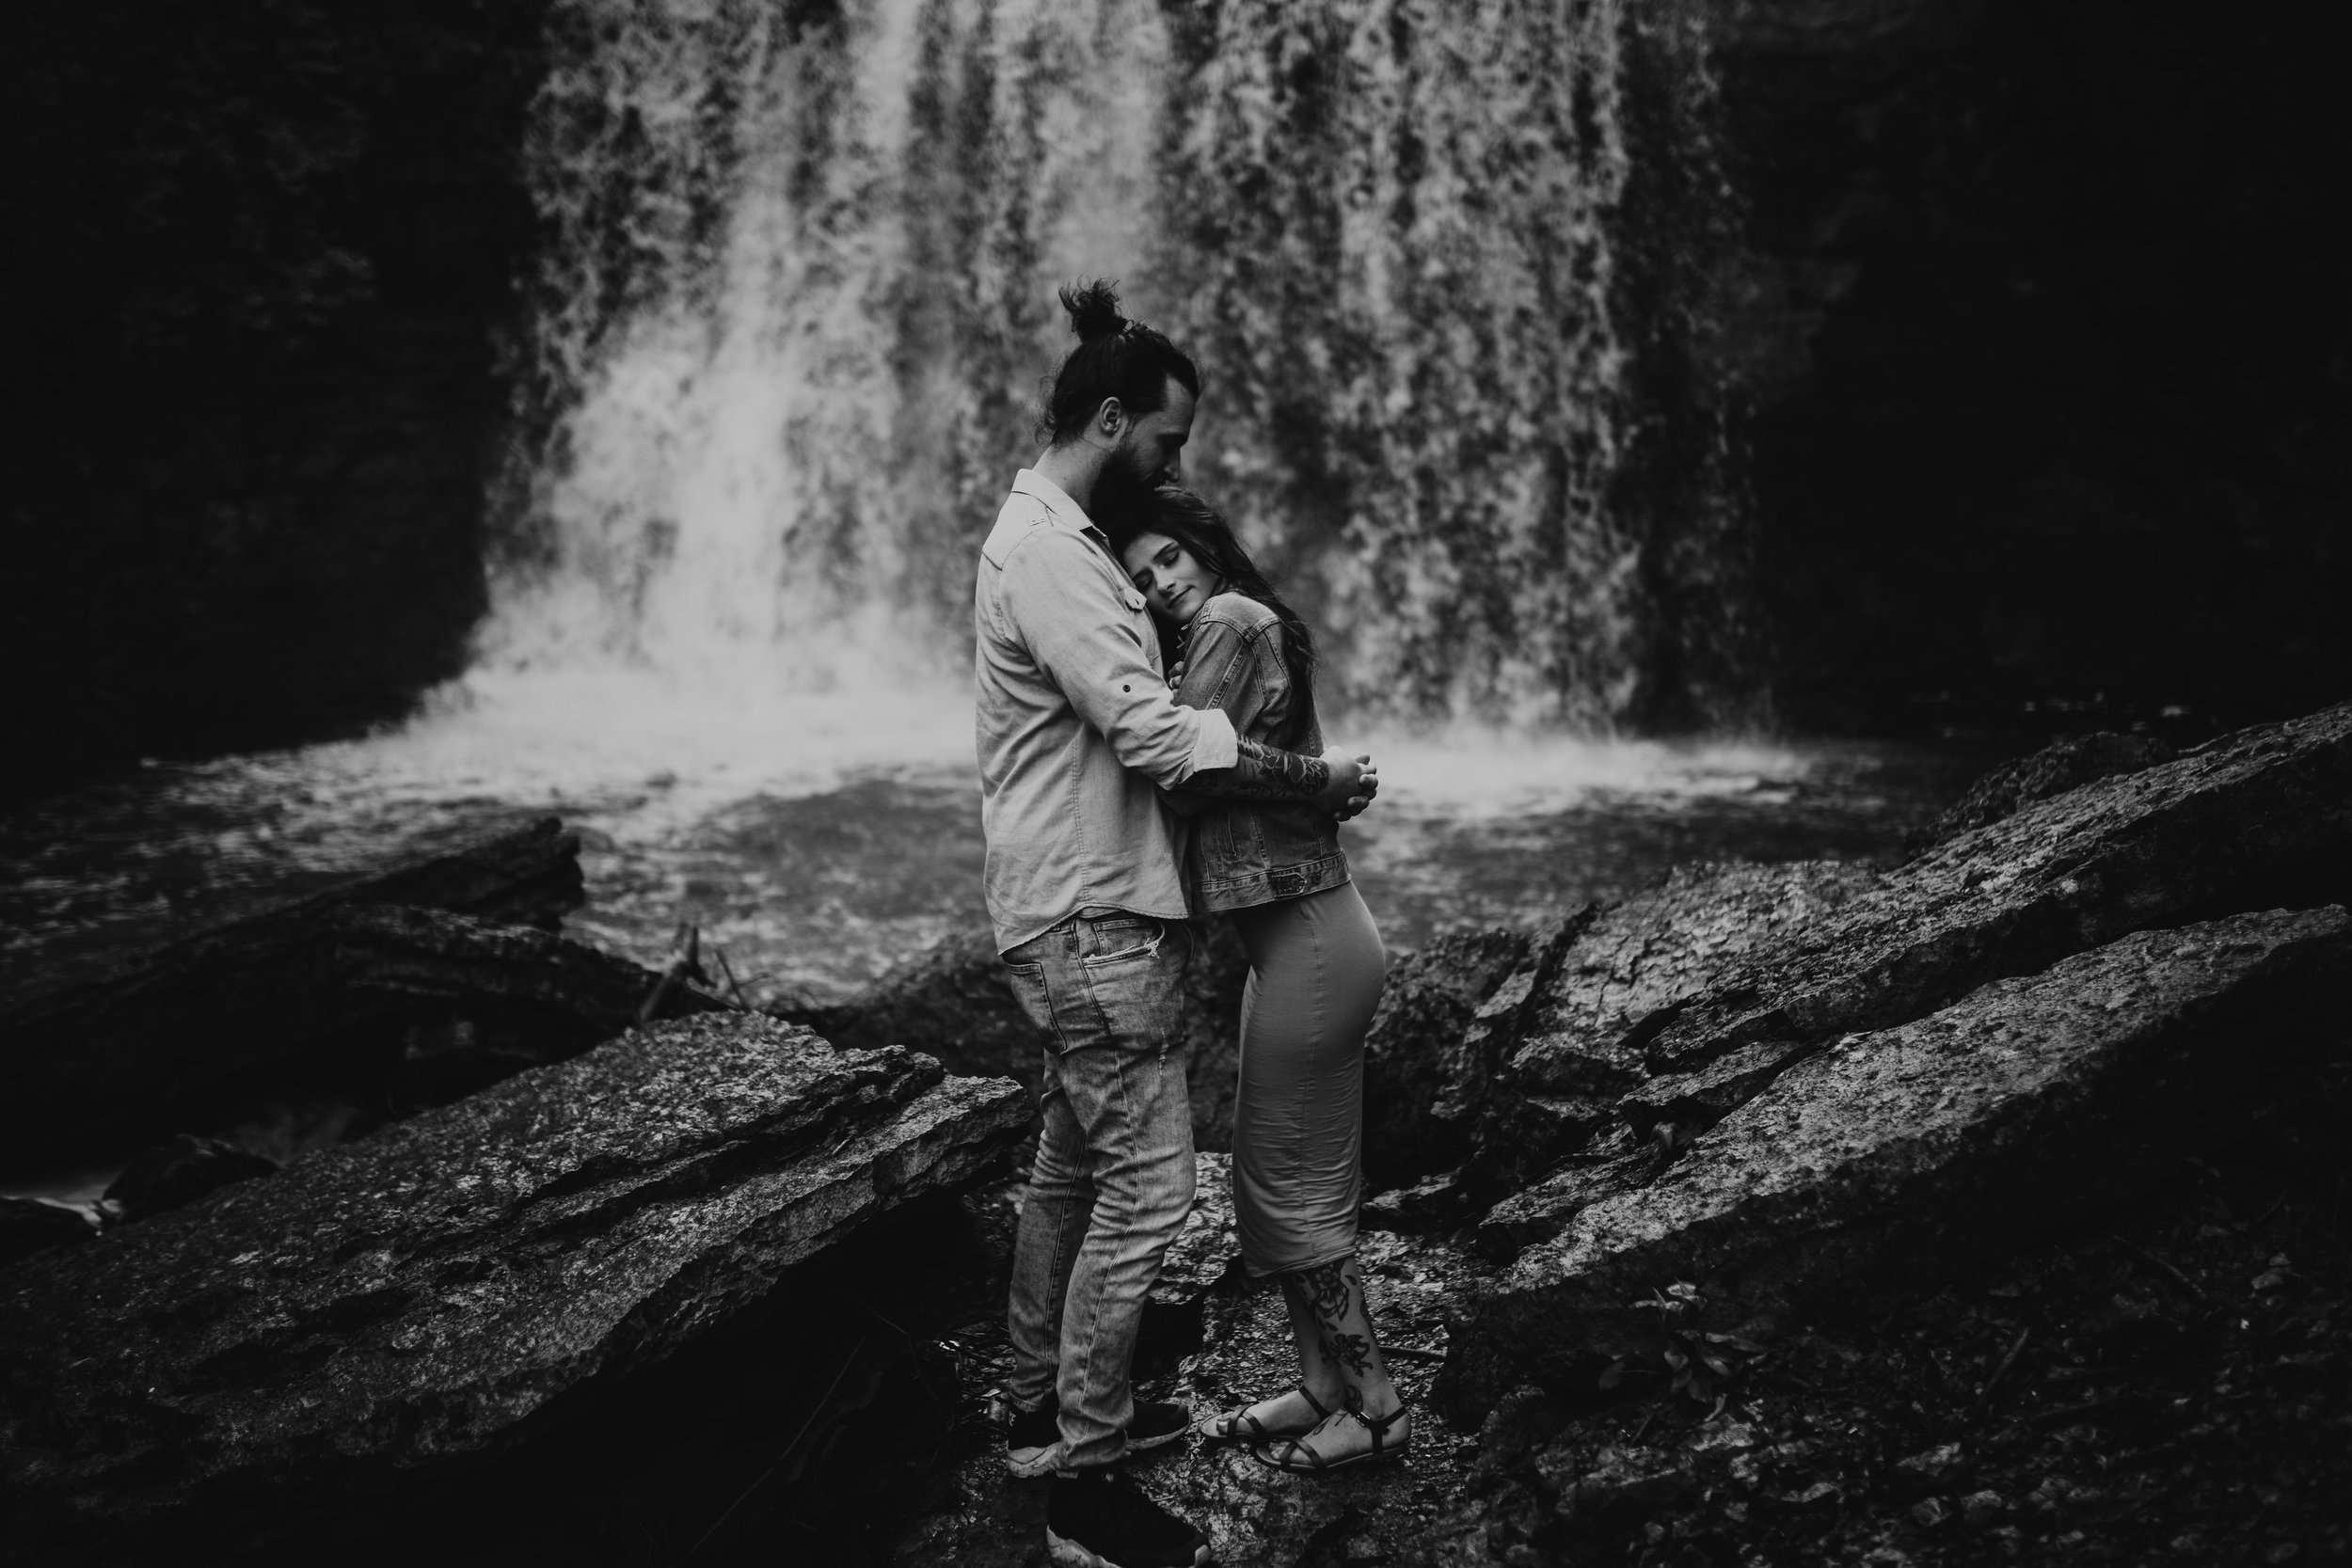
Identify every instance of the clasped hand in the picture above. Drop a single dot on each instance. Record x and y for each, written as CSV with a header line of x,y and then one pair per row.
x,y
1354,782
1354,779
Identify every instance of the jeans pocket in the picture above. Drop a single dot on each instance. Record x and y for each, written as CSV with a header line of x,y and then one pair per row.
x,y
1027,982
1117,942
1138,987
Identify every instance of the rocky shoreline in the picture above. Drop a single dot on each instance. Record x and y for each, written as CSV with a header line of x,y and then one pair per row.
x,y
1635,1170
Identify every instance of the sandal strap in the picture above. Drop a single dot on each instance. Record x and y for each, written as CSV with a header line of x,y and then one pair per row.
x,y
1378,1425
1288,1456
1230,1429
1292,1449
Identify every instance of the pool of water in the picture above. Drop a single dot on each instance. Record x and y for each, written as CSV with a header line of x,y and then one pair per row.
x,y
831,838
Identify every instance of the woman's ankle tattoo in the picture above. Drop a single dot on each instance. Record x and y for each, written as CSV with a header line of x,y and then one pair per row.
x,y
1333,1294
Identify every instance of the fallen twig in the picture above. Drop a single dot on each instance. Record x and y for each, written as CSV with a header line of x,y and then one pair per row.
x,y
767,1473
2203,1296
684,961
2064,1411
735,986
2284,1192
1413,1353
2007,1360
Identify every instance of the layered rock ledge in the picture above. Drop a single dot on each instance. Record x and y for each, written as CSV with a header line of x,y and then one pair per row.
x,y
1617,1041
2019,1107
424,1295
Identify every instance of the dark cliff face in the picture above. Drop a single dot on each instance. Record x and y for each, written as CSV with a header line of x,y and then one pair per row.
x,y
2044,346
262,253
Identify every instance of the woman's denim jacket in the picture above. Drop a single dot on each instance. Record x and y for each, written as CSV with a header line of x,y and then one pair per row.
x,y
1249,853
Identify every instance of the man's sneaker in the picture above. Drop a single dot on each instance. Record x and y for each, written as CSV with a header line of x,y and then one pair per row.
x,y
1032,1437
1156,1424
1098,1518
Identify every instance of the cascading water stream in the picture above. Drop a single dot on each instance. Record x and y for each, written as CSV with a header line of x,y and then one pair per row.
x,y
799,293
784,344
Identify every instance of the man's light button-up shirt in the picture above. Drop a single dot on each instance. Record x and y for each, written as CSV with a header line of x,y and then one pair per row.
x,y
1075,724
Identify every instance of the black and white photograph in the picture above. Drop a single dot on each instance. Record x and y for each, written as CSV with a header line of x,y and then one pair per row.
x,y
1130,783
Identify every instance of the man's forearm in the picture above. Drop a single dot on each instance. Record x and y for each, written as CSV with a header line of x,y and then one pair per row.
x,y
1262,773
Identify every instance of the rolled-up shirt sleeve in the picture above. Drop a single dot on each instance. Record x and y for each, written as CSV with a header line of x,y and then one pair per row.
x,y
1068,612
1219,745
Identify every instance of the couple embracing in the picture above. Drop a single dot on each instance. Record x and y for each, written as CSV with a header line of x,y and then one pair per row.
x,y
1116,809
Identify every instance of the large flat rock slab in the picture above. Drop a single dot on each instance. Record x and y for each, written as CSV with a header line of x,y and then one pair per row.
x,y
2127,853
1660,947
1577,1041
418,1297
1758,964
2015,1108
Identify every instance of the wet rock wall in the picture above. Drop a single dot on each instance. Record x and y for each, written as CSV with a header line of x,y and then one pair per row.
x,y
262,255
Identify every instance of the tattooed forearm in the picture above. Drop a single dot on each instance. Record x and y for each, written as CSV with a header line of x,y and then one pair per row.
x,y
1264,773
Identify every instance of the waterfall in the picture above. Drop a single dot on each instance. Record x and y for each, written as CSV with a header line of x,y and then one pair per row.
x,y
797,295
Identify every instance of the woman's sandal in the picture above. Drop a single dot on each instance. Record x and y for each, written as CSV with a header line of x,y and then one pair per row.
x,y
1294,1451
1229,1427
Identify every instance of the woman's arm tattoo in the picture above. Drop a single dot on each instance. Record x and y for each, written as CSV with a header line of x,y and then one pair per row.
x,y
1262,773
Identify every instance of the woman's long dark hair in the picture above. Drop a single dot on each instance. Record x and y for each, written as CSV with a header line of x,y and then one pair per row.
x,y
1196,526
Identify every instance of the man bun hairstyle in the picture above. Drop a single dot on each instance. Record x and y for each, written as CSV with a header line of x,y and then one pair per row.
x,y
1093,309
1115,359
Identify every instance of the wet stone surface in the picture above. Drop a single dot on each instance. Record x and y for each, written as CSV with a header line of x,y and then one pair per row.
x,y
414,1298
2023,1104
1410,1510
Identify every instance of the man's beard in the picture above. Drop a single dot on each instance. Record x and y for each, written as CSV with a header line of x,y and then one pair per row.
x,y
1122,493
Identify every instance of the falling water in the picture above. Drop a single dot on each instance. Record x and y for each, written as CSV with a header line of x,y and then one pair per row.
x,y
799,295
785,337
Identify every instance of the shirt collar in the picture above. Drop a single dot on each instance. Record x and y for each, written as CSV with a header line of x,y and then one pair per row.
x,y
1069,513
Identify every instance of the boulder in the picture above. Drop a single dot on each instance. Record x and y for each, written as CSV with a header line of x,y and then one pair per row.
x,y
415,1300
120,1044
1608,1168
1209,1247
1431,1204
1677,1006
1431,1051
1581,1041
167,1175
2019,1107
1588,1032
2065,764
28,1225
2264,810
472,1002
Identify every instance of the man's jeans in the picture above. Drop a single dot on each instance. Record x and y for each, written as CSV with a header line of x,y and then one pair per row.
x,y
1113,1178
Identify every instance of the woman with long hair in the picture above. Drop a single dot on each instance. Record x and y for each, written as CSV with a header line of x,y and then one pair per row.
x,y
1316,969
